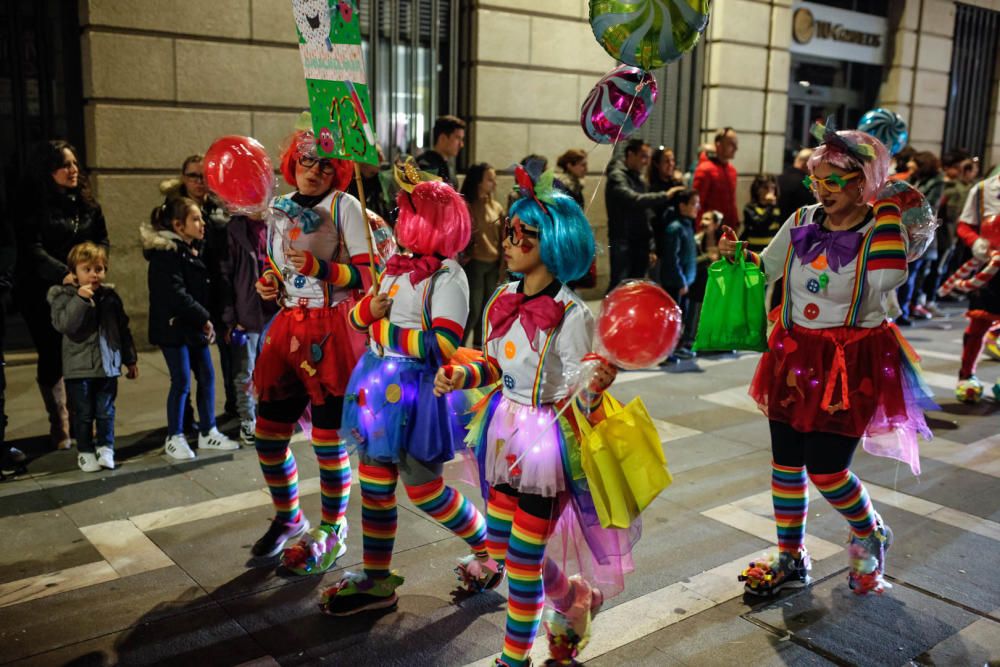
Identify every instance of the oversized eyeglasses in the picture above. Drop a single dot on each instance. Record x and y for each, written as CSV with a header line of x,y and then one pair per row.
x,y
516,231
325,166
832,183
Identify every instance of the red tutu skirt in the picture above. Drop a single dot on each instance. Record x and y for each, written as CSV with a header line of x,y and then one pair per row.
x,y
308,351
831,380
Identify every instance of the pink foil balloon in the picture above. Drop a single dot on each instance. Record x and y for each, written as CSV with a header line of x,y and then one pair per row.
x,y
618,105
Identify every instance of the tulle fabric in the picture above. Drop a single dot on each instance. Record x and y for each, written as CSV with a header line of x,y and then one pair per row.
x,y
579,545
858,382
390,408
308,351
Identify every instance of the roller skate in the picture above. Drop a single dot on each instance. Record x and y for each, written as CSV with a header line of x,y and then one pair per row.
x,y
478,575
317,551
969,390
357,593
766,576
868,560
569,631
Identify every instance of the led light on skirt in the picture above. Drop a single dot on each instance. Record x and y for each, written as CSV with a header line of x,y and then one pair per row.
x,y
618,105
638,325
240,172
918,217
648,33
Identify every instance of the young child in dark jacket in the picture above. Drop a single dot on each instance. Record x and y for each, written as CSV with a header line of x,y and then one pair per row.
x,y
679,260
96,344
179,321
244,314
761,217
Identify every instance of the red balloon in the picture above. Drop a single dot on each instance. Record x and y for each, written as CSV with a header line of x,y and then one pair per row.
x,y
239,171
638,326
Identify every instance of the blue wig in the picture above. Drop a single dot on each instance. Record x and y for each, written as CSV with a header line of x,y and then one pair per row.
x,y
566,240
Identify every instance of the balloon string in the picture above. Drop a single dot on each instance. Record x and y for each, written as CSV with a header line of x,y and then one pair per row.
x,y
614,145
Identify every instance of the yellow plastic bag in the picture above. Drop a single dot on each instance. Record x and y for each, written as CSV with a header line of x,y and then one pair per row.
x,y
623,460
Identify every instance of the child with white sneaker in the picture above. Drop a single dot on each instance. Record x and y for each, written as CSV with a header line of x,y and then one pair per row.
x,y
96,344
179,321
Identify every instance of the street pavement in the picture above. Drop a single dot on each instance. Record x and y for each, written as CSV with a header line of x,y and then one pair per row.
x,y
148,564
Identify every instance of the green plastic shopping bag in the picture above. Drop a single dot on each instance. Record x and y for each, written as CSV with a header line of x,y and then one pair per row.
x,y
733,315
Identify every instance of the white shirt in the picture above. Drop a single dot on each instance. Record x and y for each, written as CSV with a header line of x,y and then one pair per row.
x,y
332,241
449,298
982,202
520,365
816,307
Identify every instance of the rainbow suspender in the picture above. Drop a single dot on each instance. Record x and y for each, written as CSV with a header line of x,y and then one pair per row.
x,y
786,288
860,275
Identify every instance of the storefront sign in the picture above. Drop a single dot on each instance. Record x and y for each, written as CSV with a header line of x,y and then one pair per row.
x,y
818,30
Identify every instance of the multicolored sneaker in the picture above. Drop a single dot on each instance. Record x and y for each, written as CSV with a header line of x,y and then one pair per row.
x,y
569,630
766,576
317,551
868,560
478,575
356,593
278,533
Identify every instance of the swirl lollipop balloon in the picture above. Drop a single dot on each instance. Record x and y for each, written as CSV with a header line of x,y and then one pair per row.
x,y
648,33
886,126
618,105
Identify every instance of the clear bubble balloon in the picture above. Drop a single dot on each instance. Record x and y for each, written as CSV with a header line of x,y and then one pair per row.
x,y
917,215
638,325
239,171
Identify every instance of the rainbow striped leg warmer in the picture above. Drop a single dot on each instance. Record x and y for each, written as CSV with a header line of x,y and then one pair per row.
x,y
453,511
790,495
500,509
848,496
278,465
378,516
334,474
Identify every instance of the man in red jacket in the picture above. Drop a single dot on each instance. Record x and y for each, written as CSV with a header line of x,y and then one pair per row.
x,y
715,178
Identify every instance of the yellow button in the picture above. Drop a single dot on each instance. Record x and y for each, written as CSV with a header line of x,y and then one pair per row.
x,y
393,290
510,349
393,393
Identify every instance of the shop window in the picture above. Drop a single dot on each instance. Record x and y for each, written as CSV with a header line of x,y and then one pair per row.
x,y
411,52
675,119
973,75
40,82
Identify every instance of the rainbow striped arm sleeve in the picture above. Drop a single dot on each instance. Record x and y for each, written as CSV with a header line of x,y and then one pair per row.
x,y
481,373
888,249
448,334
335,273
398,339
752,256
361,315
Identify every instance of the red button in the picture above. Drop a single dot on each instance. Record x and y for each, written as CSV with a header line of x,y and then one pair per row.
x,y
811,311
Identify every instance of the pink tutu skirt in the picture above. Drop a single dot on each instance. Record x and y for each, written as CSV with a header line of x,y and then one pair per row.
x,y
523,447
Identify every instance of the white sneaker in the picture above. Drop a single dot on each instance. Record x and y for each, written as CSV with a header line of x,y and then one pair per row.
x,y
216,440
88,462
177,447
248,432
106,457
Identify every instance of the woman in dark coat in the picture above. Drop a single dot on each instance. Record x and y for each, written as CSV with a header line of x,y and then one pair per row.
x,y
57,212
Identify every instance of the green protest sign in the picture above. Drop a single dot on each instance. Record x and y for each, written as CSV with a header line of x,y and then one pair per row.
x,y
330,45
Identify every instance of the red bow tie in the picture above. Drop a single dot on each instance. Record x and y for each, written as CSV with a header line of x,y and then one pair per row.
x,y
418,268
538,313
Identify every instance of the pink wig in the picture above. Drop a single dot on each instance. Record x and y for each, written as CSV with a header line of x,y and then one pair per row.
x,y
875,171
433,220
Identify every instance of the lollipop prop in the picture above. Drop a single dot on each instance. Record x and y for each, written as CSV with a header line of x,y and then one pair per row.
x,y
886,126
648,33
638,326
975,273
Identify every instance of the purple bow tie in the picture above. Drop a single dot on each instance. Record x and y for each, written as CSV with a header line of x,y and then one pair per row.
x,y
811,241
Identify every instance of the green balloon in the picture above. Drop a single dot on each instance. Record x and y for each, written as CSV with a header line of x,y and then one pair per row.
x,y
648,33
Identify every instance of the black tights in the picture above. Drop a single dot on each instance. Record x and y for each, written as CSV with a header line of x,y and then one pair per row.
x,y
325,415
820,453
